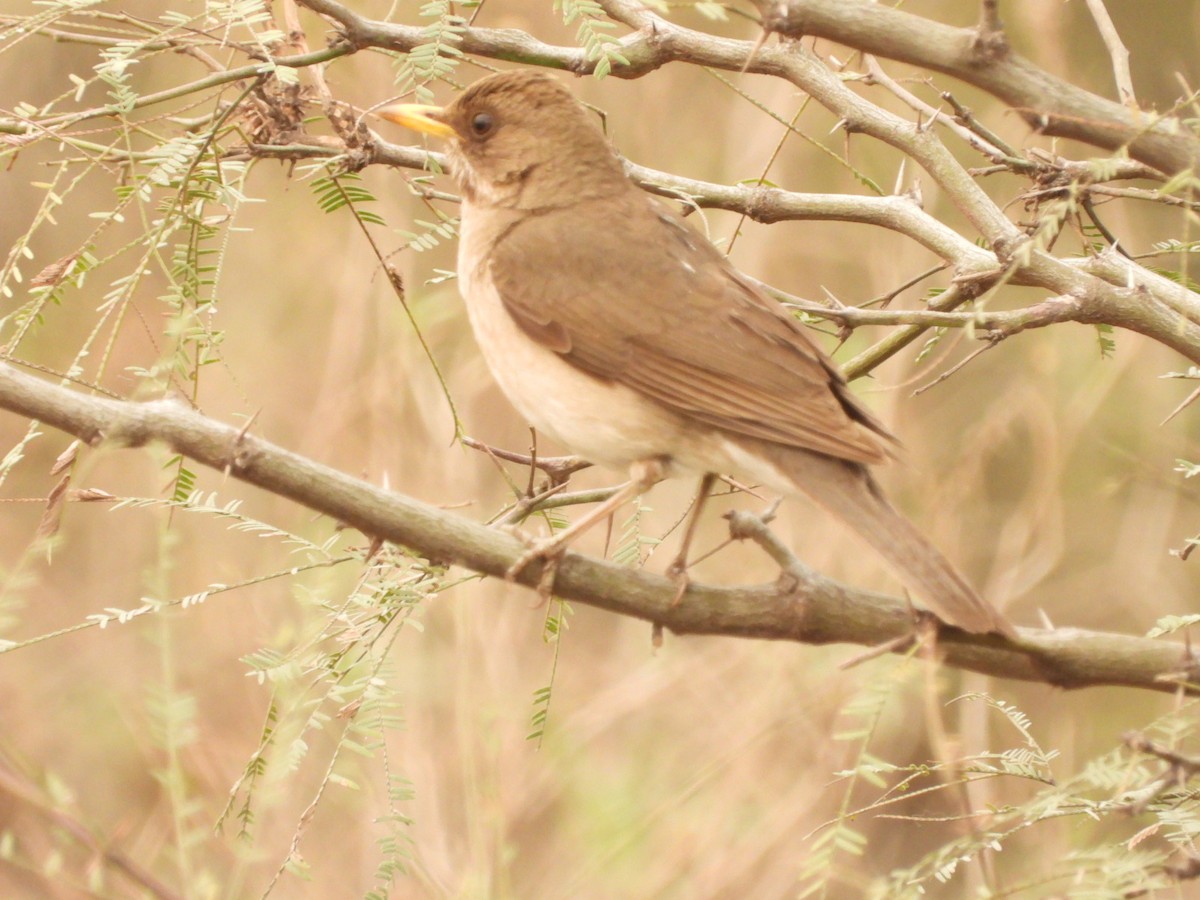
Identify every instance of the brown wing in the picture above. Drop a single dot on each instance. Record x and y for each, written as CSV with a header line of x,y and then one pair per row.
x,y
667,315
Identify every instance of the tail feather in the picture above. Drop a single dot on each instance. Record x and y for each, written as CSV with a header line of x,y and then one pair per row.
x,y
849,492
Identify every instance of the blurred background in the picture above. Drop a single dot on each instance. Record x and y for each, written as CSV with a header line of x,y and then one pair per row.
x,y
705,768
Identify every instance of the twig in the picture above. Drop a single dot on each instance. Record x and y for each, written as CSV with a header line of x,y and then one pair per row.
x,y
957,367
884,300
1179,768
1185,765
745,525
1089,208
953,297
216,80
1117,51
554,498
1004,322
966,116
876,75
763,204
1142,194
559,468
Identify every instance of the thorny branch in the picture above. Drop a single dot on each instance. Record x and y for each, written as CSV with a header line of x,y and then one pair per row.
x,y
804,607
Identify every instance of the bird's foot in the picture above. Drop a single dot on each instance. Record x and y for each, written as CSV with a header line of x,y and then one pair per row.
x,y
677,572
550,552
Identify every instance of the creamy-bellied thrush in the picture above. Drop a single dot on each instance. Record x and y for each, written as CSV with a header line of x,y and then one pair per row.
x,y
625,335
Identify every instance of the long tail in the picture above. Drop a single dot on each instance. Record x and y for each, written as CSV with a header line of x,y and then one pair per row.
x,y
849,492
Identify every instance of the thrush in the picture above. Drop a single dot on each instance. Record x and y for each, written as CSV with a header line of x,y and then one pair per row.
x,y
621,332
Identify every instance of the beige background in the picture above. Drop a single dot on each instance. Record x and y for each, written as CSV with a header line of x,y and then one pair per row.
x,y
701,769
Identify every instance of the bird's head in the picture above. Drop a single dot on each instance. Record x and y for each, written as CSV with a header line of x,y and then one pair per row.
x,y
518,139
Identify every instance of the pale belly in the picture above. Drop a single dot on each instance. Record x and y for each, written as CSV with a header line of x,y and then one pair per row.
x,y
604,422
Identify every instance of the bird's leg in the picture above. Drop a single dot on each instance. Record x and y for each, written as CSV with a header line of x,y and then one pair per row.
x,y
677,570
646,473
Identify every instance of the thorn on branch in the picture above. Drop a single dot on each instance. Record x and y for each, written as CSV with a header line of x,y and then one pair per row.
x,y
239,452
1187,401
848,126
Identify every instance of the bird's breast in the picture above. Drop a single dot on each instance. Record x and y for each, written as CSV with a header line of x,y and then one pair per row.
x,y
605,422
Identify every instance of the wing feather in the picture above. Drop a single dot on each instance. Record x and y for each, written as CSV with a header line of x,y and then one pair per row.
x,y
668,316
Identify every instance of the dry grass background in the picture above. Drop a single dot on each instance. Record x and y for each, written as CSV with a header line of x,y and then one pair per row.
x,y
699,770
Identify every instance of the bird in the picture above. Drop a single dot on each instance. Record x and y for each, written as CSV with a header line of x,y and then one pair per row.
x,y
625,335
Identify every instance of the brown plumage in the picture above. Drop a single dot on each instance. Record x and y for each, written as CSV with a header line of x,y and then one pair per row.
x,y
617,329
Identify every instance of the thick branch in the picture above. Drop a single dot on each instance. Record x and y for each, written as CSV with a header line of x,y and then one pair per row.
x,y
1048,103
810,609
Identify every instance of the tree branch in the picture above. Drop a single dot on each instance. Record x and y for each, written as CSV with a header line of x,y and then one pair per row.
x,y
1049,104
805,607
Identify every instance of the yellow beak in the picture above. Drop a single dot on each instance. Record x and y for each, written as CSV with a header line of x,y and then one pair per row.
x,y
427,119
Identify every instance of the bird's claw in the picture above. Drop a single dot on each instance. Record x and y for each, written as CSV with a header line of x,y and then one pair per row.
x,y
550,552
677,572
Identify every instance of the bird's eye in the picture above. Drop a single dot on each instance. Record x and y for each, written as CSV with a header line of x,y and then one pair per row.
x,y
482,124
